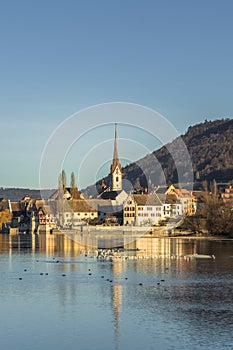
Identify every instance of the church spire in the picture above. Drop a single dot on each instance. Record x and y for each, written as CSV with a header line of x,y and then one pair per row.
x,y
115,161
116,170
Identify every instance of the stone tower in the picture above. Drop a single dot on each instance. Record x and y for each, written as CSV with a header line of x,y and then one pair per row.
x,y
116,170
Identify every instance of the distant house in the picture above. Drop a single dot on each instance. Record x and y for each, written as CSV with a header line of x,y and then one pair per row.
x,y
172,207
43,217
142,209
185,197
18,213
75,213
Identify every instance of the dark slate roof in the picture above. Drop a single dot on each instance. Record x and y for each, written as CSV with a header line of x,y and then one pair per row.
x,y
110,195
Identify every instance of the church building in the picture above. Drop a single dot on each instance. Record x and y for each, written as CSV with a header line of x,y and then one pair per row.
x,y
116,170
114,193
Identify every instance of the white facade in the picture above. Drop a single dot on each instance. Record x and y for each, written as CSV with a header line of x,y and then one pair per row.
x,y
117,179
143,210
77,218
148,215
171,210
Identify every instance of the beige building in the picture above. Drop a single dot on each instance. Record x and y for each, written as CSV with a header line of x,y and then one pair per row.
x,y
185,197
77,212
142,210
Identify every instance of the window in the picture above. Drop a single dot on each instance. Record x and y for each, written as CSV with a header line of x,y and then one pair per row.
x,y
149,208
117,179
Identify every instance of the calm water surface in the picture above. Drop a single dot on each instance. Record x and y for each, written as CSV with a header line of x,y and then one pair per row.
x,y
70,304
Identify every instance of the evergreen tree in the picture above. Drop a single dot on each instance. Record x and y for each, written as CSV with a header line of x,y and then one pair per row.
x,y
63,178
73,187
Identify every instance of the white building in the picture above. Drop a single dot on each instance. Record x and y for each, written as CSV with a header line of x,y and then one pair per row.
x,y
142,210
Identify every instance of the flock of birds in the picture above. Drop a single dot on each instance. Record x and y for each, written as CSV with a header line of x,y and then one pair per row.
x,y
112,254
115,254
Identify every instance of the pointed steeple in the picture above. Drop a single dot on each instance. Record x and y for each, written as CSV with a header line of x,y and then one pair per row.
x,y
115,161
116,170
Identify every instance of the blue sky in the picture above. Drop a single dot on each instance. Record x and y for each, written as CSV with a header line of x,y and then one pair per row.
x,y
58,57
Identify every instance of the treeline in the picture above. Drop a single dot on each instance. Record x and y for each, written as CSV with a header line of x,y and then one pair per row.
x,y
213,216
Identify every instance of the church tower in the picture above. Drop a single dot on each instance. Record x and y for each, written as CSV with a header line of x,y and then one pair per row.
x,y
116,170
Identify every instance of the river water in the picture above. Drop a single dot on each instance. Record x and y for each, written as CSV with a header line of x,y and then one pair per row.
x,y
56,295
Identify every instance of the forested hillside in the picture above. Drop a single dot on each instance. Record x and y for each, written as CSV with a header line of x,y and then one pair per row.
x,y
210,146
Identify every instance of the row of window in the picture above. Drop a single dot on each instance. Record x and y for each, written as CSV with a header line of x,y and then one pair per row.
x,y
129,208
47,221
69,215
150,208
151,214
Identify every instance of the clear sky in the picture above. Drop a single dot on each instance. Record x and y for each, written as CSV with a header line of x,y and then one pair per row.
x,y
57,57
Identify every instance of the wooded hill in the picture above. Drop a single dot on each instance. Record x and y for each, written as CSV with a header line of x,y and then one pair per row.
x,y
210,146
16,194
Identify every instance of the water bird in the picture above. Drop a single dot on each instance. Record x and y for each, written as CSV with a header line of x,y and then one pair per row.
x,y
25,270
41,273
102,276
126,278
63,275
140,284
89,274
158,284
162,280
46,273
20,278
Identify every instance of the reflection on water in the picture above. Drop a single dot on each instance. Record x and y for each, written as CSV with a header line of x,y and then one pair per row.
x,y
143,246
54,295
